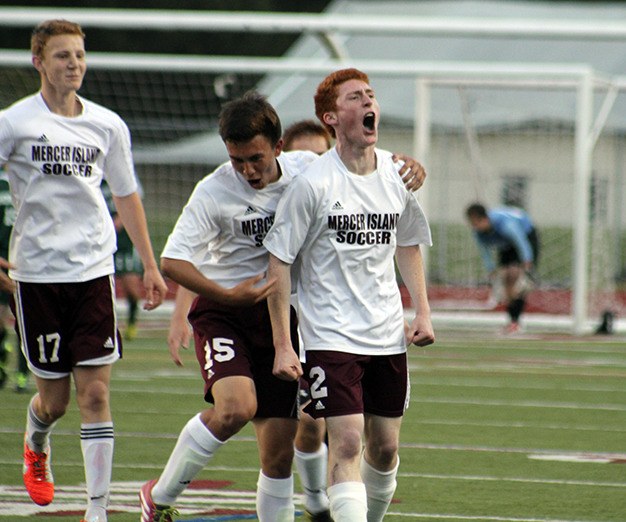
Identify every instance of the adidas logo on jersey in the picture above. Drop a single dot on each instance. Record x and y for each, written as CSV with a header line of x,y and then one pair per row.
x,y
337,206
109,344
319,406
249,211
43,138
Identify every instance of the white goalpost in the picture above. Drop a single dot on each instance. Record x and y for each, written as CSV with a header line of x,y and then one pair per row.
x,y
467,163
465,126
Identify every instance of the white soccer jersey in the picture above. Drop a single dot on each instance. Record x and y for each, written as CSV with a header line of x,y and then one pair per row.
x,y
63,232
346,228
221,229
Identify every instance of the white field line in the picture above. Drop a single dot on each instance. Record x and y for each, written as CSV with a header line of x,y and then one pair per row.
x,y
482,478
455,382
536,369
481,518
528,451
568,347
518,425
522,404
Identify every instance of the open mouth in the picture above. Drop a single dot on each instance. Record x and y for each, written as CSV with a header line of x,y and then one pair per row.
x,y
369,121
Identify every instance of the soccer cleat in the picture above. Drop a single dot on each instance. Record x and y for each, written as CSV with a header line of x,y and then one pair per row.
x,y
512,329
131,332
150,512
322,516
21,382
38,476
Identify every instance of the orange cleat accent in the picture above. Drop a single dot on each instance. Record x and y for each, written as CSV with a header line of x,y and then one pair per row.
x,y
38,476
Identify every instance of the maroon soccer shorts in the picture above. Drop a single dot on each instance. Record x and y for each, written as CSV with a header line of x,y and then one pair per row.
x,y
233,341
345,384
62,325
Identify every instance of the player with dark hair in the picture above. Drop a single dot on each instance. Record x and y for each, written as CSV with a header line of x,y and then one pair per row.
x,y
58,147
216,251
345,219
511,233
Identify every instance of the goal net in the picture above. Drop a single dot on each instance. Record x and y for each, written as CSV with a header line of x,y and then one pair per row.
x,y
515,144
508,143
165,111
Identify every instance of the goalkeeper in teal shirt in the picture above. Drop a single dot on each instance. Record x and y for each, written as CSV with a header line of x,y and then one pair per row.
x,y
509,233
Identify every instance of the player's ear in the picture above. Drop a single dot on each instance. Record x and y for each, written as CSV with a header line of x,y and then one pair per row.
x,y
329,118
36,61
278,148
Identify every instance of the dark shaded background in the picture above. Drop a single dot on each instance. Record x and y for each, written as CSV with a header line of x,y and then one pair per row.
x,y
111,40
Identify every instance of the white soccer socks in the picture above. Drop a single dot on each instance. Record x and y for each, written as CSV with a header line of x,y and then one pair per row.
x,y
312,469
348,502
96,442
380,486
37,431
194,448
274,499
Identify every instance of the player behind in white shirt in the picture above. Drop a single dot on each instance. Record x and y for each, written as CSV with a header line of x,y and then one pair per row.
x,y
58,147
345,219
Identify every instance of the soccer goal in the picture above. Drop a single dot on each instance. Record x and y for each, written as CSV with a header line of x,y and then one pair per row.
x,y
553,147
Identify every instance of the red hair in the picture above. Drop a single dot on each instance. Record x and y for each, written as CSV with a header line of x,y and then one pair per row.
x,y
326,94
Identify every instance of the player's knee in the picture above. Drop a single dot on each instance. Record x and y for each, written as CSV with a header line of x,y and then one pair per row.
x,y
51,411
383,454
94,397
235,415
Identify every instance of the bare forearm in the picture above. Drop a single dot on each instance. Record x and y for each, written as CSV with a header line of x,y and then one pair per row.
x,y
286,362
191,279
420,330
411,267
279,301
131,212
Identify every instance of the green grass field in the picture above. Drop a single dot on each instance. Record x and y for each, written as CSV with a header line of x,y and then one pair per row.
x,y
521,430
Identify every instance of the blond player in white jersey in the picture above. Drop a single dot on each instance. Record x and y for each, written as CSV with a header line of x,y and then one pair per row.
x,y
58,147
346,218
